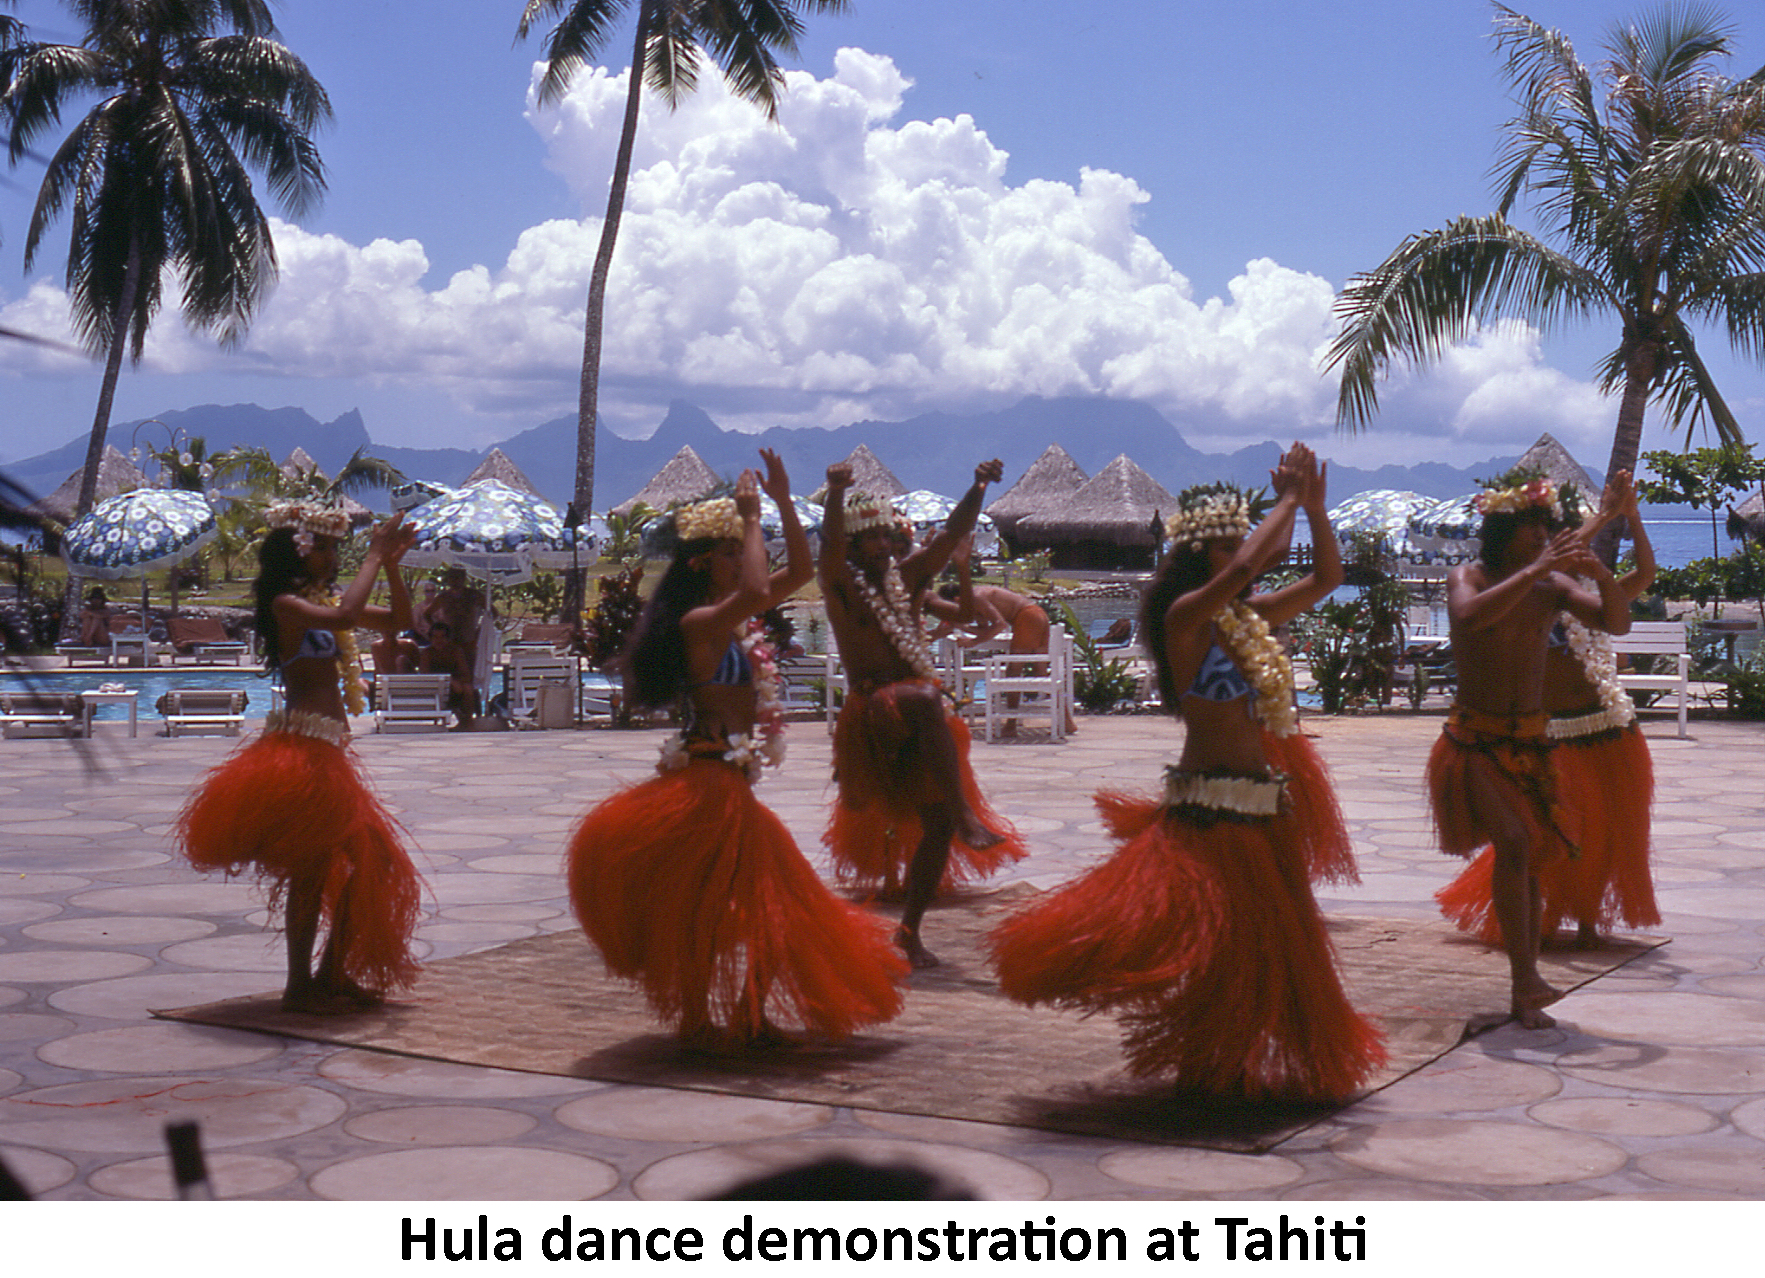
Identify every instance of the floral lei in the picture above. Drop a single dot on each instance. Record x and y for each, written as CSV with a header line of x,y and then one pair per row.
x,y
349,657
1258,655
894,613
1593,649
765,745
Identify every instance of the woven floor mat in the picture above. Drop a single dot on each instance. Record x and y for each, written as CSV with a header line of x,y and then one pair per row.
x,y
959,1050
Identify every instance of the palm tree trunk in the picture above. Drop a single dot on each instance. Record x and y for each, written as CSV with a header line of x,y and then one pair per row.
x,y
1639,379
588,404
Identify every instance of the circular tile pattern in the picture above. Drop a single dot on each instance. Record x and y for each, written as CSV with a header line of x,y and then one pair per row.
x,y
9,1080
162,1047
950,1131
1369,1190
1691,1020
37,1170
488,1173
501,913
1696,1071
1474,1153
9,995
645,1113
1725,1170
38,884
241,952
21,1026
440,1125
23,910
229,1175
132,997
1200,1170
58,966
440,1080
709,1172
212,897
129,1114
1750,1118
119,929
1624,1116
1459,1081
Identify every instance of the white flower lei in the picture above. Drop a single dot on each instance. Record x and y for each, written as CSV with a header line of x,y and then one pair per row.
x,y
1593,649
304,723
349,657
895,615
1258,655
1246,796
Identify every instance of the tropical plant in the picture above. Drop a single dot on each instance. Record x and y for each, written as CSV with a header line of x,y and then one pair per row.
x,y
625,533
1099,683
672,37
1704,479
156,176
1648,181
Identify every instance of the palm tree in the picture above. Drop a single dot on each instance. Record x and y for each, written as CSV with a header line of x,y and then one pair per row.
x,y
1649,184
672,36
194,94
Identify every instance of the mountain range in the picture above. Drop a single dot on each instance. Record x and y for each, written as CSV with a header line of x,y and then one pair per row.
x,y
937,451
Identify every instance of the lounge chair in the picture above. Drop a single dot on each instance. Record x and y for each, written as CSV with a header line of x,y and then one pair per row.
x,y
203,710
41,713
411,703
203,639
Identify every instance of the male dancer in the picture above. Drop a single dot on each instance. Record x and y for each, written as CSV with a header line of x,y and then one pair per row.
x,y
1491,779
899,757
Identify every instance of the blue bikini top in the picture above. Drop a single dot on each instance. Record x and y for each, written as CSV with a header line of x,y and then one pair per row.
x,y
1219,678
734,670
1559,637
314,643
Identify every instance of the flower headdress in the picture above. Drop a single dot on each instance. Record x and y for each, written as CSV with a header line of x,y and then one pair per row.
x,y
717,518
308,519
1521,488
1206,511
864,512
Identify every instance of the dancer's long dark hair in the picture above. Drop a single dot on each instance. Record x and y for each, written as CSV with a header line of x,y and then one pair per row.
x,y
281,571
654,662
1184,569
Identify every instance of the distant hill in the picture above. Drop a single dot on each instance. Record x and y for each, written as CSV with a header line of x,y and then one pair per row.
x,y
934,450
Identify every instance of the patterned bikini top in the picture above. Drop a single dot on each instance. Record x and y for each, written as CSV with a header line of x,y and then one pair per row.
x,y
733,670
314,643
1219,678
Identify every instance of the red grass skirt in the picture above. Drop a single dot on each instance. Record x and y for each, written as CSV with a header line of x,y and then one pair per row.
x,y
294,808
1201,934
1608,788
875,826
690,886
1324,841
1524,756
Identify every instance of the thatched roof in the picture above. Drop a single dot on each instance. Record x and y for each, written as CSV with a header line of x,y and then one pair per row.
x,y
869,477
1752,507
1116,505
1560,468
496,465
1051,477
684,478
116,474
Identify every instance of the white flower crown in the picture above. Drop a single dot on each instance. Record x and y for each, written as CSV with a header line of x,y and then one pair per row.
x,y
715,518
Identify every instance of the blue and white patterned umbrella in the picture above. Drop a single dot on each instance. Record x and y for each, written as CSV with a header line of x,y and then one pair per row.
x,y
133,534
489,528
1454,519
808,514
1381,510
926,509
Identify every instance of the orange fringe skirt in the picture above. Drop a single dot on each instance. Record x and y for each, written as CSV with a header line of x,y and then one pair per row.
x,y
294,808
1324,841
691,887
883,781
1519,749
1608,788
1200,933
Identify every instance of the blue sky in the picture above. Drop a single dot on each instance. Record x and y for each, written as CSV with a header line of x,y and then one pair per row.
x,y
963,204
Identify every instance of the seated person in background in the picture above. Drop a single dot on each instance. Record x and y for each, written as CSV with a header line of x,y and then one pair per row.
x,y
445,656
95,619
1120,631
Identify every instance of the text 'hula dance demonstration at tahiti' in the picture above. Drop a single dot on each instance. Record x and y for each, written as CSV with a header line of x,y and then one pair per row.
x,y
686,883
291,803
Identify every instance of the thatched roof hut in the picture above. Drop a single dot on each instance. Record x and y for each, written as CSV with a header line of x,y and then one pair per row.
x,y
1561,468
1051,478
116,474
869,476
685,477
1104,524
496,465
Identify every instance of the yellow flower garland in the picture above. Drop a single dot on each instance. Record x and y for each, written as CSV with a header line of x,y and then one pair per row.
x,y
1258,655
349,657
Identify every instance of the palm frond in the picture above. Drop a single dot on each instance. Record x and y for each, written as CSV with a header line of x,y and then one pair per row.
x,y
1434,288
575,42
362,472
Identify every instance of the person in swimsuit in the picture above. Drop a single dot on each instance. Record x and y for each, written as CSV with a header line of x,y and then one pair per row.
x,y
685,882
1200,931
291,803
995,609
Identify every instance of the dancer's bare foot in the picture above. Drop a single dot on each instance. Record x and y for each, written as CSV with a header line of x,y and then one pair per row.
x,y
910,944
346,988
1530,1000
1587,937
971,833
316,1000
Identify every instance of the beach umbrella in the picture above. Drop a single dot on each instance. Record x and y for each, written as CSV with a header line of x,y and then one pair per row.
x,y
491,530
413,493
137,533
808,514
1386,511
1448,526
925,509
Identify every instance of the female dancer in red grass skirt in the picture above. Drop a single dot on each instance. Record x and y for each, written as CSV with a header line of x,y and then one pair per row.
x,y
685,882
1200,932
291,803
1605,778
